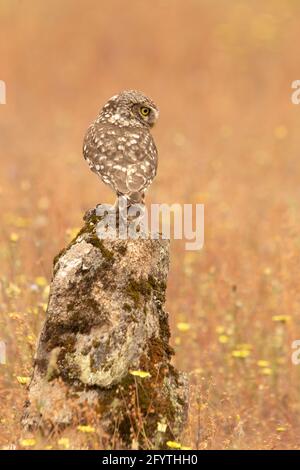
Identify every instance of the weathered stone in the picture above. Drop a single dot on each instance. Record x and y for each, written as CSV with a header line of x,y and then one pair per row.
x,y
105,319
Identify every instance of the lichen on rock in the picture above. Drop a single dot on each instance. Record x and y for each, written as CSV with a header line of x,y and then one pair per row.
x,y
105,319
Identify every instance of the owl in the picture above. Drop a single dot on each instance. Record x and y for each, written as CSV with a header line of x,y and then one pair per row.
x,y
119,147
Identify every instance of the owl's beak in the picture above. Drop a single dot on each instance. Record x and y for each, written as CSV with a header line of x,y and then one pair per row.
x,y
156,113
155,117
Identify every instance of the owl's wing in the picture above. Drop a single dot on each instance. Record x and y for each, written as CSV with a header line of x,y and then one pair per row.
x,y
140,157
126,159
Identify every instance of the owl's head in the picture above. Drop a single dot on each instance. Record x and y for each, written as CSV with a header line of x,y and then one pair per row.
x,y
131,108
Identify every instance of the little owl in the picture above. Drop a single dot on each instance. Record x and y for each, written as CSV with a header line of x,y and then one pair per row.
x,y
119,147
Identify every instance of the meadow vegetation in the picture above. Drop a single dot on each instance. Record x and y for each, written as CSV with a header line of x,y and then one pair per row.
x,y
228,137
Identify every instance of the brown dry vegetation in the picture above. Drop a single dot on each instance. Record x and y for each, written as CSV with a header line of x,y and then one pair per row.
x,y
221,73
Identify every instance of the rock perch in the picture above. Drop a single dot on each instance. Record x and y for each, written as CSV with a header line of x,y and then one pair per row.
x,y
104,347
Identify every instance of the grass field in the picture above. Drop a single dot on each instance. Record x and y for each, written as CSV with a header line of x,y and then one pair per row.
x,y
228,137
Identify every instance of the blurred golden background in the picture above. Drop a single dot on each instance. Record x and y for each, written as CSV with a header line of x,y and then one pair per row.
x,y
228,137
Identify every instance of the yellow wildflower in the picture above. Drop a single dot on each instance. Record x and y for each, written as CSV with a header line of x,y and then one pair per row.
x,y
242,353
86,428
281,318
41,281
140,373
280,429
46,291
173,445
183,326
64,442
267,371
30,442
223,339
23,380
14,237
263,363
30,339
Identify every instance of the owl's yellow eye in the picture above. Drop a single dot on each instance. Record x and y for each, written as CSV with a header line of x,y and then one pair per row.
x,y
144,111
